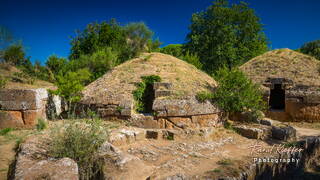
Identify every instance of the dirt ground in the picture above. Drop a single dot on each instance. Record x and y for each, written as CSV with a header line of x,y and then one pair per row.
x,y
223,153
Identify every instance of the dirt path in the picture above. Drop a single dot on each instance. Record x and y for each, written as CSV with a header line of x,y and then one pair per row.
x,y
193,157
304,132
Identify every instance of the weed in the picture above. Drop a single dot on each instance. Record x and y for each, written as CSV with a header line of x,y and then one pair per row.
x,y
225,162
79,140
216,170
203,96
5,131
42,124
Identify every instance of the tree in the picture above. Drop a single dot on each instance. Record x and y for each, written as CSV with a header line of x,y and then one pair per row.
x,y
96,36
15,55
127,42
173,49
138,35
311,48
56,64
71,84
176,50
225,35
98,63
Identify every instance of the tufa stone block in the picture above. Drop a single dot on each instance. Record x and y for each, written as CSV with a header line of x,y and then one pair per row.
x,y
11,119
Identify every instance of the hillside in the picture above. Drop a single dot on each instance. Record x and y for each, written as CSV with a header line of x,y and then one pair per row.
x,y
16,79
119,83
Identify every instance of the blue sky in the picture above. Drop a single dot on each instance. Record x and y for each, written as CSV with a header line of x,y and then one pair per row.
x,y
45,26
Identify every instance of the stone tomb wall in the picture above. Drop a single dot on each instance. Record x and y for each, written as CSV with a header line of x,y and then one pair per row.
x,y
21,108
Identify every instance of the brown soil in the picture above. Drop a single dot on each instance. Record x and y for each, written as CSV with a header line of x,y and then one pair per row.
x,y
8,144
224,153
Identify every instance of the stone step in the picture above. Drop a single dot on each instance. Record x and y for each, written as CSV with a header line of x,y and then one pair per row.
x,y
162,85
162,93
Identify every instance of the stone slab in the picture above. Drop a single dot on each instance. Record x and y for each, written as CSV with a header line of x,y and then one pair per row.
x,y
11,119
22,99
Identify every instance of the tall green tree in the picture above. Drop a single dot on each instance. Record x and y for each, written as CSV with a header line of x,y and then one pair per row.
x,y
225,34
138,35
56,64
311,48
126,41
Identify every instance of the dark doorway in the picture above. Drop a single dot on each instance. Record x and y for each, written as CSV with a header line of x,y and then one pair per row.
x,y
277,98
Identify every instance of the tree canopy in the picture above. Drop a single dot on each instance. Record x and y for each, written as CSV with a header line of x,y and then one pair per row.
x,y
311,48
225,34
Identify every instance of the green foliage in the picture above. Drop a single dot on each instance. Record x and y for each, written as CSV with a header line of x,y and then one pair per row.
x,y
98,63
5,131
192,59
41,125
176,50
311,48
225,35
127,42
236,93
15,55
144,92
79,140
204,95
173,49
3,81
225,162
138,35
56,64
71,84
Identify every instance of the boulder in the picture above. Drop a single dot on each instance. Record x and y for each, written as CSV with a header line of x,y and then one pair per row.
x,y
266,121
183,107
120,165
284,133
31,117
250,132
32,163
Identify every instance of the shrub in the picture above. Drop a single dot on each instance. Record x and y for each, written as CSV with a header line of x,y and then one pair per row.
x,y
236,93
203,96
3,82
5,131
79,140
41,125
143,95
192,59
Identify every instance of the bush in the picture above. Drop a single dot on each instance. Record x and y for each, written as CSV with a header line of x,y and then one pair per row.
x,y
98,63
5,131
42,124
71,84
79,140
236,93
203,96
3,82
143,95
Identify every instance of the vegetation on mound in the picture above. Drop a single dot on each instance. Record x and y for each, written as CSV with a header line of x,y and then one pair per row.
x,y
311,48
235,93
144,94
300,68
79,140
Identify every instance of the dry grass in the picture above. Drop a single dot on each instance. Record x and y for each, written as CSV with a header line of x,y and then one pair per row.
x,y
9,72
118,84
284,63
